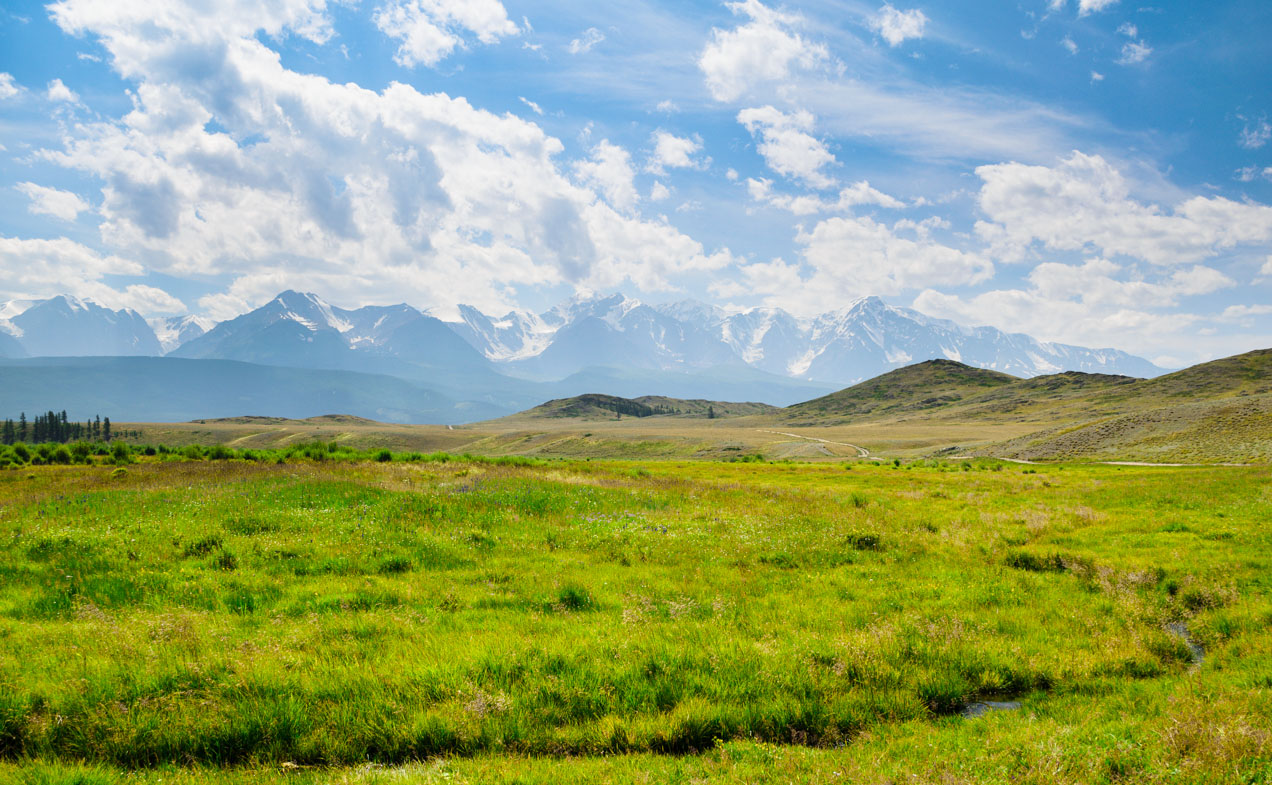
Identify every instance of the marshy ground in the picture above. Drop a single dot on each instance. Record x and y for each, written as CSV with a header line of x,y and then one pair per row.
x,y
476,621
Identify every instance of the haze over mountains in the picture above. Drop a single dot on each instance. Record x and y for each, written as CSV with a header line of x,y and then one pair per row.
x,y
484,366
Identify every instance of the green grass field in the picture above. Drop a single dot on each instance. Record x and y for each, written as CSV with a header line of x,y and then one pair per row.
x,y
476,621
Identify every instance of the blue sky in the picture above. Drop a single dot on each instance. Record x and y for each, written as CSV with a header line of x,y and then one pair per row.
x,y
1089,171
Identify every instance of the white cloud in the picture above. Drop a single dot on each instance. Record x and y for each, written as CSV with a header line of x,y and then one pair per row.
x,y
533,106
1091,6
382,196
1134,52
667,106
765,49
786,146
1084,202
429,30
1256,135
1267,267
659,192
1129,30
584,43
57,91
1096,76
1244,313
896,26
844,258
8,87
1069,44
858,194
51,201
609,170
1086,303
37,269
674,152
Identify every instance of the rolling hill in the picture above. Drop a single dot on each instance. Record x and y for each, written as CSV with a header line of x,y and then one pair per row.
x,y
929,385
594,406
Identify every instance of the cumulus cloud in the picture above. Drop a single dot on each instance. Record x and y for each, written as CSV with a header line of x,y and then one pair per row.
x,y
383,196
846,257
533,106
1084,202
8,87
609,170
659,192
786,145
38,269
765,49
859,194
54,202
1085,303
57,91
584,43
429,30
674,152
1069,44
896,26
1084,6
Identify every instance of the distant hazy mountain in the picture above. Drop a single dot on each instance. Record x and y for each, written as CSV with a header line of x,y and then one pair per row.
x,y
68,327
841,347
166,389
173,331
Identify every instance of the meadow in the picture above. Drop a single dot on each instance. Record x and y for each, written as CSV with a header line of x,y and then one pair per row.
x,y
320,616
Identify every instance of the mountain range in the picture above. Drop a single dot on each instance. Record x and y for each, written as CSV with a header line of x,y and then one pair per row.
x,y
601,344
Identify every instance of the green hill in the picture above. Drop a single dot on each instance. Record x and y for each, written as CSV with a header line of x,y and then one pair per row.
x,y
594,406
925,386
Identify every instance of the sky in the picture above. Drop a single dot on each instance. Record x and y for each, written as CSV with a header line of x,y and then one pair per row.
x,y
1095,172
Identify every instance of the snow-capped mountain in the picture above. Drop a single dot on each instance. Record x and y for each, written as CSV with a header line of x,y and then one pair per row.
x,y
172,331
842,347
65,326
303,330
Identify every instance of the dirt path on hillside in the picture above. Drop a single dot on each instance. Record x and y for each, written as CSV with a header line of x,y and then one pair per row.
x,y
862,452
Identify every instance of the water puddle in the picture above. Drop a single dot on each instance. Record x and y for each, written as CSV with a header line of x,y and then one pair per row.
x,y
981,708
1179,630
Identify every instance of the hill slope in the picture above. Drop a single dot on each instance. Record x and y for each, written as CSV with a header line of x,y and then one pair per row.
x,y
594,406
923,386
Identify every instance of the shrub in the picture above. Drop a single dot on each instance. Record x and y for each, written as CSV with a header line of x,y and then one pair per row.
x,y
384,456
81,451
219,452
120,454
60,455
22,452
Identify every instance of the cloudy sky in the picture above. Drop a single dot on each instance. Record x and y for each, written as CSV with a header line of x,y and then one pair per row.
x,y
1091,171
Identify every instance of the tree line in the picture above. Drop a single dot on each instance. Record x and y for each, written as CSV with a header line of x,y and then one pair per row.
x,y
55,427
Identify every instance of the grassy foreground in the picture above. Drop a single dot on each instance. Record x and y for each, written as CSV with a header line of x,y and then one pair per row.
x,y
451,621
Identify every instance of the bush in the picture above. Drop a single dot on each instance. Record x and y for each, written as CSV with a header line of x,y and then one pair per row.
x,y
384,456
219,452
60,455
22,452
81,451
120,453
